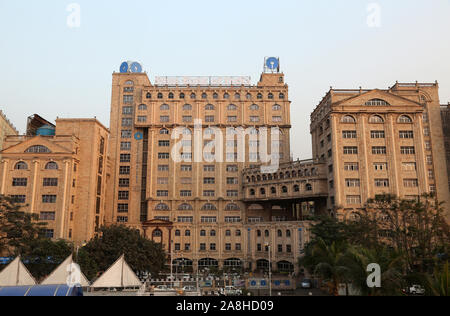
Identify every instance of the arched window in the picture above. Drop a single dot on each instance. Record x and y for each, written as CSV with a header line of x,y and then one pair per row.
x,y
21,166
285,189
51,166
215,96
237,96
309,187
187,107
276,107
157,233
258,233
162,207
248,96
164,131
160,95
226,96
212,233
232,207
266,233
404,119
376,119
129,83
193,96
348,119
187,233
254,107
273,190
209,107
38,149
232,107
259,96
203,233
177,233
171,95
288,233
182,95
296,188
252,192
142,107
149,95
164,107
280,233
281,96
263,191
204,96
377,102
185,207
238,233
187,131
270,96
209,207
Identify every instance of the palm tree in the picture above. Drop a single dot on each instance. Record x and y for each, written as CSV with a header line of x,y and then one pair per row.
x,y
438,284
331,263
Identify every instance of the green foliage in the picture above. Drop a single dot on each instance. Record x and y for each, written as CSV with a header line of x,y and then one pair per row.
x,y
101,252
408,239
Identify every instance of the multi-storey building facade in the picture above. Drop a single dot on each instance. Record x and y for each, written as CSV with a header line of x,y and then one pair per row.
x,y
380,141
445,114
6,128
61,177
196,207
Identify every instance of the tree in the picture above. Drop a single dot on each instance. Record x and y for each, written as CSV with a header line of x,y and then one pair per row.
x,y
101,252
17,229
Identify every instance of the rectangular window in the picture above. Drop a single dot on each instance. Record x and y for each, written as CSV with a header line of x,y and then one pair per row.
x,y
209,168
142,119
187,119
128,99
232,219
407,150
50,182
47,216
277,119
125,157
350,150
124,183
202,247
382,183
163,168
126,122
232,181
126,134
209,219
406,134
351,166
48,233
124,170
349,134
124,195
232,119
209,180
410,183
209,193
209,119
164,119
352,183
185,193
163,156
377,134
254,119
232,168
164,143
409,166
429,160
379,150
19,198
122,219
162,193
232,193
186,168
431,174
185,219
125,146
122,208
380,166
186,180
49,199
353,199
20,182
163,180
127,110
427,145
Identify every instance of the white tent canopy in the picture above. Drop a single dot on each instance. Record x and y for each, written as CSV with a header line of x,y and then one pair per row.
x,y
67,273
16,274
119,275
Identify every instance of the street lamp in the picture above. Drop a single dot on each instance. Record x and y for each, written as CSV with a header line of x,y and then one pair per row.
x,y
270,269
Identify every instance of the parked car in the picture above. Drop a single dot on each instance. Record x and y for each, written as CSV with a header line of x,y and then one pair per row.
x,y
189,288
306,284
417,290
230,291
163,288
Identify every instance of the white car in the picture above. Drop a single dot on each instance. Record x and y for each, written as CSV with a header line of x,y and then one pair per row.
x,y
189,288
417,290
231,291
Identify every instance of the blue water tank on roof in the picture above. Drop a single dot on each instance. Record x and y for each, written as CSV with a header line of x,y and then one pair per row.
x,y
46,130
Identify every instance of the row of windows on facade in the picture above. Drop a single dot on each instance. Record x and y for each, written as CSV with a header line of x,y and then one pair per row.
x,y
128,110
375,119
215,96
379,150
46,198
187,131
21,165
213,233
125,170
383,166
273,190
46,182
283,175
127,122
356,199
356,183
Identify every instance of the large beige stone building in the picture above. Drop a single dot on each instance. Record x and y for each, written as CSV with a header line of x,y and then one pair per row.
x,y
60,177
6,128
196,208
445,114
380,141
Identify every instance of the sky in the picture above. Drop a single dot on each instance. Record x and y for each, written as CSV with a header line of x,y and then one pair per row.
x,y
54,66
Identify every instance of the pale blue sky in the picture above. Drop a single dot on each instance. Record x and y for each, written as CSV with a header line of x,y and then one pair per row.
x,y
53,70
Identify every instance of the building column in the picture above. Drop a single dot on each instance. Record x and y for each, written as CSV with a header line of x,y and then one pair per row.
x,y
33,192
5,167
65,197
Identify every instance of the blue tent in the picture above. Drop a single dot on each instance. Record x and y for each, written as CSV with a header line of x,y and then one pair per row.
x,y
41,290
